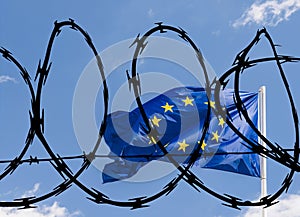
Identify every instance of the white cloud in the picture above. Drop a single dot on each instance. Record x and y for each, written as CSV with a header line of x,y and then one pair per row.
x,y
6,78
150,13
216,33
288,206
268,13
54,210
32,191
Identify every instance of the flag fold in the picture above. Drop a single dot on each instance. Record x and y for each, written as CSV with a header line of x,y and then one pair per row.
x,y
178,115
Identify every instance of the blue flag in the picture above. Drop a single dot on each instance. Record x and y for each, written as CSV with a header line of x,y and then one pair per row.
x,y
178,115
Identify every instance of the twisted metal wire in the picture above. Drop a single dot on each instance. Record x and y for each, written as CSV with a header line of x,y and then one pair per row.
x,y
241,63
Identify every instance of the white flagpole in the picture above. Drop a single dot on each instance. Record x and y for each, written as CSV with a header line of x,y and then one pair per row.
x,y
262,127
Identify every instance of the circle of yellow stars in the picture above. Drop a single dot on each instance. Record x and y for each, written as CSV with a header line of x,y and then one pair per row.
x,y
182,146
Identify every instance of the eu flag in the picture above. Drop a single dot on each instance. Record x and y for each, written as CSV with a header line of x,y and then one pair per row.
x,y
179,115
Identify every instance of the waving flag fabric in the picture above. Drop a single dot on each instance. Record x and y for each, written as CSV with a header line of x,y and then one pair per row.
x,y
179,115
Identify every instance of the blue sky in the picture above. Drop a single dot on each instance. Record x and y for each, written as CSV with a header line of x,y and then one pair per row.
x,y
220,28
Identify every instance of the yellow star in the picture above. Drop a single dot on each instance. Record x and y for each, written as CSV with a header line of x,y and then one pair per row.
x,y
221,122
168,107
156,120
215,136
203,145
211,103
187,101
182,146
151,140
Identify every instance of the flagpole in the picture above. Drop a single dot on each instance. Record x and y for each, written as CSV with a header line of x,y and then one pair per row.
x,y
262,127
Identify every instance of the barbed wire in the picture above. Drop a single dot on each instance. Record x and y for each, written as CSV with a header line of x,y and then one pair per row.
x,y
241,63
35,159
